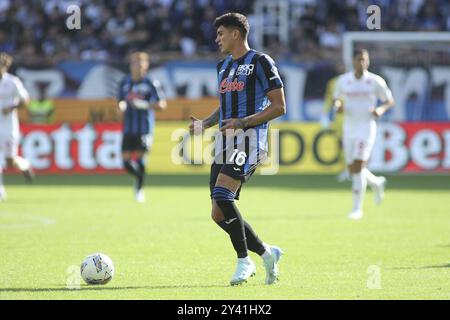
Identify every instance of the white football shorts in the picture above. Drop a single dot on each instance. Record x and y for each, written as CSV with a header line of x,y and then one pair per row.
x,y
358,145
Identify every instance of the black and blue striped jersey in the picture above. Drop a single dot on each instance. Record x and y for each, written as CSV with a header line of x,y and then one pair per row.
x,y
243,87
138,121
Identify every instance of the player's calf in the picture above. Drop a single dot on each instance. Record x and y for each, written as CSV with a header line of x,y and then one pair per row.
x,y
233,219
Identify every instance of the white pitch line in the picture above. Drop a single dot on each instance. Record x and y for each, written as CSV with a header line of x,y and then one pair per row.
x,y
35,221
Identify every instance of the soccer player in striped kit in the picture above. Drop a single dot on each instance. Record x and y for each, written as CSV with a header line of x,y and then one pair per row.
x,y
138,97
251,94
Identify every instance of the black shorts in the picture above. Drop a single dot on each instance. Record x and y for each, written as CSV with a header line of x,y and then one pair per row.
x,y
240,168
134,142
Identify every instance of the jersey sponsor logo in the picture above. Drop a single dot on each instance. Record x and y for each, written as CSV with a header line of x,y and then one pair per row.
x,y
245,69
134,95
226,86
357,93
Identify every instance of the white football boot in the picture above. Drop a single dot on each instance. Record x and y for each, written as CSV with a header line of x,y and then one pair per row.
x,y
139,195
355,214
244,270
379,191
271,264
2,193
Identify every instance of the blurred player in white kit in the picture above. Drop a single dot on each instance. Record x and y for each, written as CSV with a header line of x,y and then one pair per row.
x,y
13,96
356,95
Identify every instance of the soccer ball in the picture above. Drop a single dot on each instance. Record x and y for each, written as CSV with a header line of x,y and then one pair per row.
x,y
97,268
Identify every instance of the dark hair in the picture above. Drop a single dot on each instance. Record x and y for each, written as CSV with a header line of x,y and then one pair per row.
x,y
140,55
234,20
359,51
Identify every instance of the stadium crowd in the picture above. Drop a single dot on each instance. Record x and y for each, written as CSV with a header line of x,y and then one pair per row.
x,y
35,30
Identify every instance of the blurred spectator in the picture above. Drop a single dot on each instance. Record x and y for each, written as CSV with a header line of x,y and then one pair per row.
x,y
6,45
330,36
40,110
429,17
112,28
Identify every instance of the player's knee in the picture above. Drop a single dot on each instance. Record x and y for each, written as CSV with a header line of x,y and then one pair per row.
x,y
224,198
356,167
140,154
126,157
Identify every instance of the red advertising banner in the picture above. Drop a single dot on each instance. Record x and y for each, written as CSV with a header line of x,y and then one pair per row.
x,y
74,148
412,148
95,148
429,147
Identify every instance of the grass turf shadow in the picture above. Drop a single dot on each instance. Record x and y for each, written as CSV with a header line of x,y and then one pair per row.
x,y
111,288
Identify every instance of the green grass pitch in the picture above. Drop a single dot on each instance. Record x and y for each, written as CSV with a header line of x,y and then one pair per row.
x,y
169,248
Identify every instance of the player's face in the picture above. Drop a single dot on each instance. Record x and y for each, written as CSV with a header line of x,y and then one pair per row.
x,y
225,39
138,65
5,62
3,68
361,62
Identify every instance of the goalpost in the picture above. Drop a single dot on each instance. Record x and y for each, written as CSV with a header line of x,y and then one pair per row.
x,y
416,66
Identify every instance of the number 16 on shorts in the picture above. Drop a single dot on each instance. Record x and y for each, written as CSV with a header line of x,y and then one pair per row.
x,y
238,157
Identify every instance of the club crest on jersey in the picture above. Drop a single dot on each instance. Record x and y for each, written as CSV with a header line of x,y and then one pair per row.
x,y
226,86
245,69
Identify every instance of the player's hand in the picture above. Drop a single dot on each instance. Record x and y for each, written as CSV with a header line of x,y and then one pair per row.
x,y
376,112
122,105
232,124
196,125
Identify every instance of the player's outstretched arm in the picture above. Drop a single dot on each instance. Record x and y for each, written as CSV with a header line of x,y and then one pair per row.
x,y
200,125
276,109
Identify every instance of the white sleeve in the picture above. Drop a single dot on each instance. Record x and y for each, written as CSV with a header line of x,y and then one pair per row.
x,y
382,91
21,92
338,89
